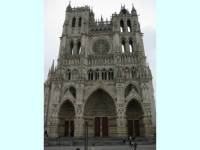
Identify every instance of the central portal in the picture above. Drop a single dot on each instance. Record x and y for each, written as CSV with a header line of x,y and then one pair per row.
x,y
101,127
100,113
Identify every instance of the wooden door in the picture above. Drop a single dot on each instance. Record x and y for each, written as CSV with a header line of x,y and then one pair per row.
x,y
104,126
66,128
137,127
130,127
72,128
97,127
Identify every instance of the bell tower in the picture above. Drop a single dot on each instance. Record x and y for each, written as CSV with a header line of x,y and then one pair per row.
x,y
75,29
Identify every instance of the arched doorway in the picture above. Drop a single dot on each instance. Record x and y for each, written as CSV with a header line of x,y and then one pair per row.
x,y
66,119
100,113
134,114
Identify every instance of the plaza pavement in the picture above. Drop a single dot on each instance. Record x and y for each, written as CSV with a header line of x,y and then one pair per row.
x,y
124,147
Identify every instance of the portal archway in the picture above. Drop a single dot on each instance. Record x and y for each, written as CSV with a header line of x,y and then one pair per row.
x,y
66,119
134,114
100,113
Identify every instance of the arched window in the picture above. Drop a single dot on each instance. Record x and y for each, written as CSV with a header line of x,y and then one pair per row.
x,y
133,72
73,22
122,26
75,74
72,91
90,75
80,22
68,74
129,25
72,48
79,47
104,74
131,46
97,74
110,74
123,46
130,88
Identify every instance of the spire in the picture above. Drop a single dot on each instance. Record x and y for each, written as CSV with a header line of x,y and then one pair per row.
x,y
49,73
52,67
133,11
101,18
69,8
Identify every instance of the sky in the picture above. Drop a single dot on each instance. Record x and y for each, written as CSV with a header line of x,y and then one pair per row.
x,y
54,15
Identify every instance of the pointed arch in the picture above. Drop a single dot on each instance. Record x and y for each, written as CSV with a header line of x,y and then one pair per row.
x,y
129,25
68,74
73,22
130,45
79,47
97,93
135,116
130,88
122,29
96,74
123,45
90,74
72,48
66,115
72,91
104,74
110,74
100,111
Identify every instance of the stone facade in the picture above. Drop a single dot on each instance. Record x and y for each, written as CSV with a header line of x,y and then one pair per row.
x,y
101,78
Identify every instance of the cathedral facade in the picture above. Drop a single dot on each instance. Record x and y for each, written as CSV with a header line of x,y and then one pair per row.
x,y
101,78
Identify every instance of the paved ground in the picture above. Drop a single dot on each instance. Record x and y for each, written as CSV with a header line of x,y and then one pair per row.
x,y
126,147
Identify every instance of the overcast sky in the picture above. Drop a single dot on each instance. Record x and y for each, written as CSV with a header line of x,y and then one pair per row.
x,y
55,14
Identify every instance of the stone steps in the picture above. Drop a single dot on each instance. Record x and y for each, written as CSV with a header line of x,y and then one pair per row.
x,y
65,141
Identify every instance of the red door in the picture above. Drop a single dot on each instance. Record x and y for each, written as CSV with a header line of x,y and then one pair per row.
x,y
104,126
130,127
72,128
97,127
137,127
66,128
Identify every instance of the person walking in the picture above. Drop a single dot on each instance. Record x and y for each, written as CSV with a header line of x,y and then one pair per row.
x,y
130,140
135,145
93,147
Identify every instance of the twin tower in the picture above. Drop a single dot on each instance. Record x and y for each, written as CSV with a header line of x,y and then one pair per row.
x,y
101,78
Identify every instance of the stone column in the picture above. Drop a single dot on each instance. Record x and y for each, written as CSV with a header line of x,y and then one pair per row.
x,y
125,26
79,126
79,121
148,130
121,126
52,127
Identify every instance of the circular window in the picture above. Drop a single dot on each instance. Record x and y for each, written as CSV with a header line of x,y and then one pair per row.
x,y
101,46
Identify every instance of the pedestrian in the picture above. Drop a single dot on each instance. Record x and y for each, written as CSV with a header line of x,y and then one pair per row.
x,y
130,139
135,146
93,147
124,141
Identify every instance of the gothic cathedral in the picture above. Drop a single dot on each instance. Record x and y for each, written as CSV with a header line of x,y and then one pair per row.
x,y
101,78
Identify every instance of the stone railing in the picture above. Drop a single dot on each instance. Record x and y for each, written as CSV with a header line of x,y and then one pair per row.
x,y
100,60
127,59
72,60
101,26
